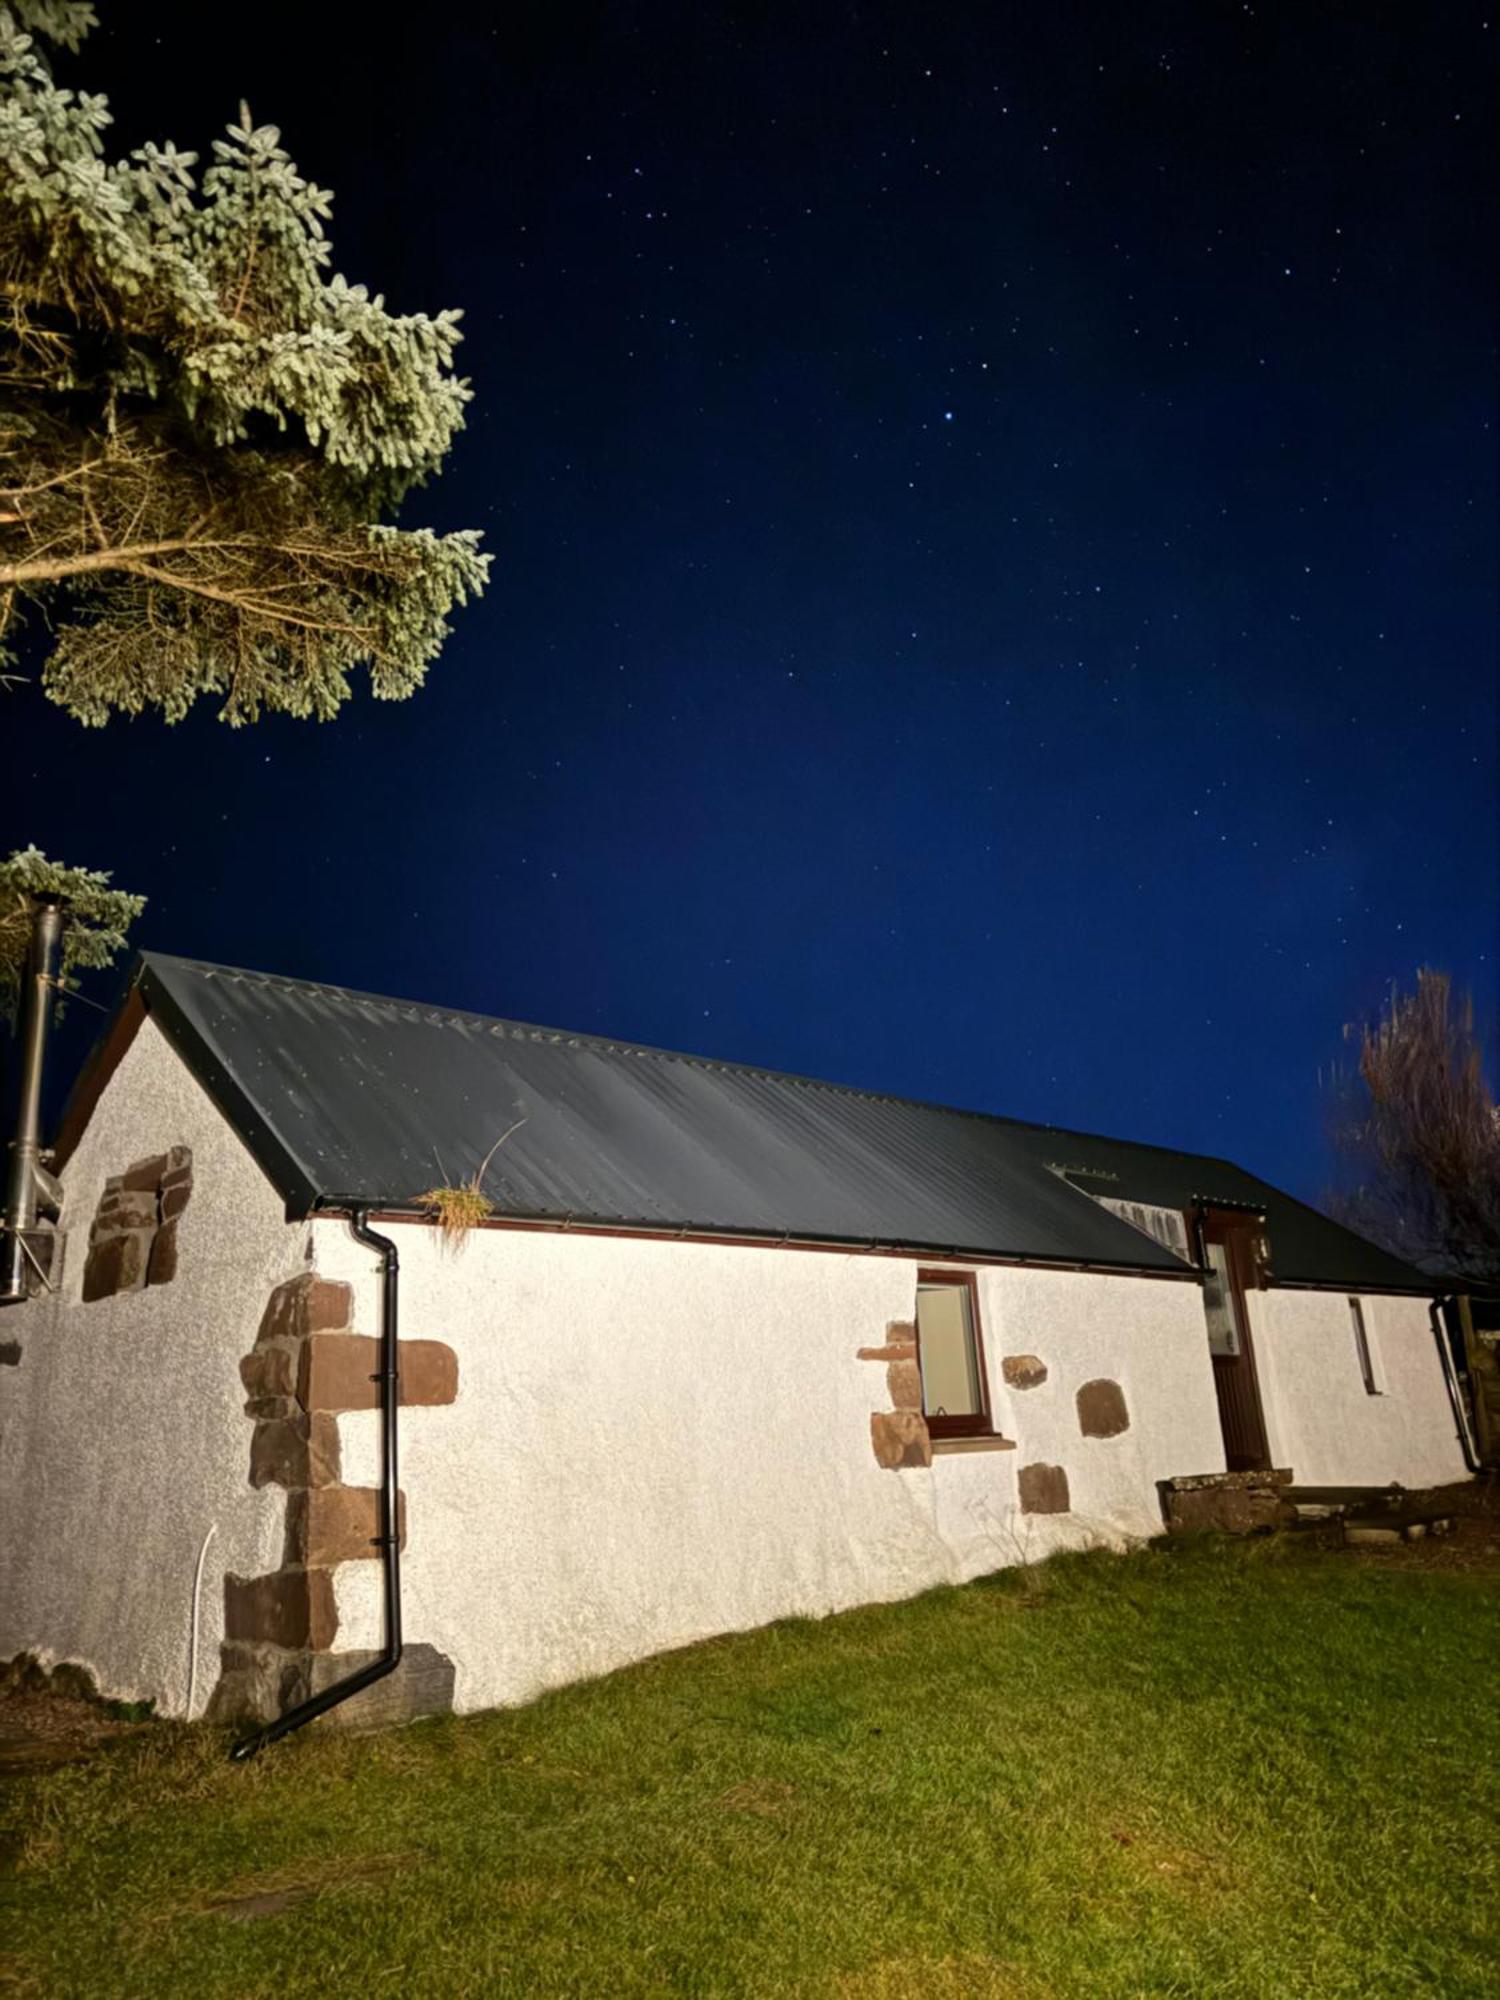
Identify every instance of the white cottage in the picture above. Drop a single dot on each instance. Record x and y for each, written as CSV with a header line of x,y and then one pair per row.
x,y
735,1345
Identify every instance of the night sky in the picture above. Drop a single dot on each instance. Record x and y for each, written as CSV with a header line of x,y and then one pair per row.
x,y
995,517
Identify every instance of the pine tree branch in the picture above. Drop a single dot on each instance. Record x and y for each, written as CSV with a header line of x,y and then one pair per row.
x,y
58,568
241,601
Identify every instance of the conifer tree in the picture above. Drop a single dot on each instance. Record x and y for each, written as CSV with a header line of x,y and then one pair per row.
x,y
96,917
206,433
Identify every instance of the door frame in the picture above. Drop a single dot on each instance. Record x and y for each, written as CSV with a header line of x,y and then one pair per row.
x,y
1242,1417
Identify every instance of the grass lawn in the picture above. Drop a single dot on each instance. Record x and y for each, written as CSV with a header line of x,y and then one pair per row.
x,y
1232,1769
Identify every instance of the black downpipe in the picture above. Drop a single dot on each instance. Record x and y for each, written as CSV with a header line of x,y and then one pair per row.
x,y
1455,1396
390,1550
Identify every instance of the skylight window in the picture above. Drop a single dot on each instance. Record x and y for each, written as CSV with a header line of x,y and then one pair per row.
x,y
1166,1226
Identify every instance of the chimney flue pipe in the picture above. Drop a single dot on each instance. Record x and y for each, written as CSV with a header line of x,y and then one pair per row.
x,y
38,997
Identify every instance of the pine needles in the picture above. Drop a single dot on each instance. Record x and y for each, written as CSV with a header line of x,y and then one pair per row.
x,y
206,433
94,927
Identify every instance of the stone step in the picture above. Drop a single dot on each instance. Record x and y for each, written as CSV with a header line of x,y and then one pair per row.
x,y
1233,1503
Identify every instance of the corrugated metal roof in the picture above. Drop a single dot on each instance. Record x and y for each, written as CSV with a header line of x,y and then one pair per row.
x,y
341,1093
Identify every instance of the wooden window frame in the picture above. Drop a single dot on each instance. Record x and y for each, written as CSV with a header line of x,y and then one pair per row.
x,y
981,1423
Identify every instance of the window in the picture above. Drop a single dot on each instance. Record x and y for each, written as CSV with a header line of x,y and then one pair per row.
x,y
1167,1226
1368,1365
950,1355
1219,1302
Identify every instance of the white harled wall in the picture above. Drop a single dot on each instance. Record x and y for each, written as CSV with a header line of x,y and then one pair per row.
x,y
653,1441
656,1441
123,1436
1320,1418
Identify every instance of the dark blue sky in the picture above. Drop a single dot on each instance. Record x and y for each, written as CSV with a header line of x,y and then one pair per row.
x,y
994,513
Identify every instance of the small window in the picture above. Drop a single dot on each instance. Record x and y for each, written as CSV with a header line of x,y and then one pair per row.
x,y
1364,1348
1167,1226
1219,1302
950,1355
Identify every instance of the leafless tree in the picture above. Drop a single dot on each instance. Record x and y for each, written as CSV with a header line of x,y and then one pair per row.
x,y
1420,1130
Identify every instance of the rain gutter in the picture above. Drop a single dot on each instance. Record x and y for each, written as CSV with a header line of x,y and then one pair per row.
x,y
766,1239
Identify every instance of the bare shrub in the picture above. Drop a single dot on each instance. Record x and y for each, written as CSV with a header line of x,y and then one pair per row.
x,y
1420,1133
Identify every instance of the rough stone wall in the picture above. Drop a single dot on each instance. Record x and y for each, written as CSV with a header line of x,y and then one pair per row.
x,y
307,1366
133,1236
899,1436
1227,1503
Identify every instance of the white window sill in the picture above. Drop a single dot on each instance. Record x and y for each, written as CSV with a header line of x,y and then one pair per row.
x,y
941,1447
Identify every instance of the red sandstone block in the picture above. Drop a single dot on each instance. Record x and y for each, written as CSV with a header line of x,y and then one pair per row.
x,y
905,1381
161,1267
334,1524
900,1439
269,1372
290,1607
116,1264
895,1350
295,1451
1043,1489
124,1211
339,1371
306,1305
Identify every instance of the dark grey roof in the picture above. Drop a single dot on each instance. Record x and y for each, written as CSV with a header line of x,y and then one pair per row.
x,y
346,1094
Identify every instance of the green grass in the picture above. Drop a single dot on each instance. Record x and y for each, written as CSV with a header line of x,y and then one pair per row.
x,y
1219,1770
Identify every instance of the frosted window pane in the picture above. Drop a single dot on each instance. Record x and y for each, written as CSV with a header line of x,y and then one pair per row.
x,y
1218,1303
945,1347
1167,1225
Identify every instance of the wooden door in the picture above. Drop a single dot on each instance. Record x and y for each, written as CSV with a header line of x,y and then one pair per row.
x,y
1227,1240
